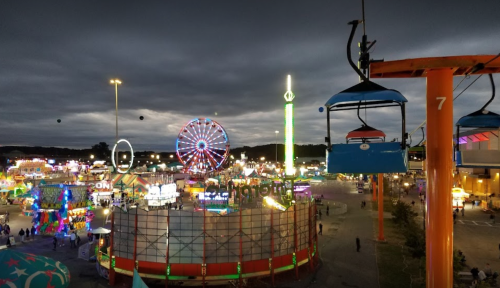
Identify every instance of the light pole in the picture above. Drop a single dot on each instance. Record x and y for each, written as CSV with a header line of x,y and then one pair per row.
x,y
276,132
105,212
116,82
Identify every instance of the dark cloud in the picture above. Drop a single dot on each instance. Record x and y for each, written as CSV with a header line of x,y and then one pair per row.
x,y
180,60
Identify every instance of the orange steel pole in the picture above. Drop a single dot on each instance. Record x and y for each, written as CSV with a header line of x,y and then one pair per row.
x,y
439,231
381,207
374,185
272,248
111,268
168,248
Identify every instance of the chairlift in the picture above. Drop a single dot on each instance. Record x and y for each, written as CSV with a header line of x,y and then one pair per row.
x,y
482,120
365,150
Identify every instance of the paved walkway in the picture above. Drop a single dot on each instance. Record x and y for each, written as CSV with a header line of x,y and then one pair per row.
x,y
474,234
341,265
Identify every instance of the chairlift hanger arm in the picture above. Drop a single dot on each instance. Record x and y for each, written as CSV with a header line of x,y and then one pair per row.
x,y
492,91
354,24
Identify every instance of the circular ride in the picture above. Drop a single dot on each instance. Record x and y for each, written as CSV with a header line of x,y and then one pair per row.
x,y
202,145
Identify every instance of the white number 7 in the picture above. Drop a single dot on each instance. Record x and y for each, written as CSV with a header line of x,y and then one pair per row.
x,y
442,99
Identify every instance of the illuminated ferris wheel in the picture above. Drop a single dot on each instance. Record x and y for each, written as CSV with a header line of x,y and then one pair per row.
x,y
202,145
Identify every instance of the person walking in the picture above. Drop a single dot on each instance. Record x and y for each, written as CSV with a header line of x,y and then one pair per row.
x,y
492,218
463,212
454,218
72,239
320,229
33,232
77,240
21,233
6,216
54,242
472,203
327,210
358,244
27,234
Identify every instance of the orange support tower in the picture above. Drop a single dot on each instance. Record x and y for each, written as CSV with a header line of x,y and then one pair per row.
x,y
380,207
439,72
374,185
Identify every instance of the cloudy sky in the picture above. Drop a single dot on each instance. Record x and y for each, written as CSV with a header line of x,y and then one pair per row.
x,y
223,60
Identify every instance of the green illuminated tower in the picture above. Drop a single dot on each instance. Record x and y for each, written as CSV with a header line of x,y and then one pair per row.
x,y
289,156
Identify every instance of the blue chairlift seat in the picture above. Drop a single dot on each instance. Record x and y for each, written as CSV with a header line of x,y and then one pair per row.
x,y
477,158
381,157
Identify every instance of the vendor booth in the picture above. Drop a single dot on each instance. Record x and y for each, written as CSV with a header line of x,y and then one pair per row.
x,y
459,197
61,208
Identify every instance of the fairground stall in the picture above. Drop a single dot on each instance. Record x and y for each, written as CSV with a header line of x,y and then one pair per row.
x,y
160,195
61,208
34,169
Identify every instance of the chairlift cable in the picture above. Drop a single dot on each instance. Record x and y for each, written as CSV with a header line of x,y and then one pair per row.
x,y
465,77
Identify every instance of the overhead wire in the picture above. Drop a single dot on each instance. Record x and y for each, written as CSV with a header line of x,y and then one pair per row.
x,y
465,77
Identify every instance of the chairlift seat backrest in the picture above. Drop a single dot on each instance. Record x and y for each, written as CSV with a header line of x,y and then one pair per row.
x,y
365,134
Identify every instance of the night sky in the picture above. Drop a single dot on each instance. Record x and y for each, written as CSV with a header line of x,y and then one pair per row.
x,y
223,60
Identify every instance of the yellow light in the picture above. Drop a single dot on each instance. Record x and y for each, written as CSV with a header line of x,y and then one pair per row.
x,y
92,157
115,81
262,158
106,211
124,156
407,184
152,156
157,156
270,201
480,181
396,176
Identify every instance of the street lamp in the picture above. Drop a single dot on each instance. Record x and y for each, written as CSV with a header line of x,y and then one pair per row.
x,y
91,156
116,82
105,212
276,132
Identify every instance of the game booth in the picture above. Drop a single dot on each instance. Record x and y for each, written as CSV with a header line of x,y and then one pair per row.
x,y
59,209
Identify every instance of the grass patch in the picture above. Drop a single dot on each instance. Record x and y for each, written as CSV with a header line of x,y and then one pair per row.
x,y
397,268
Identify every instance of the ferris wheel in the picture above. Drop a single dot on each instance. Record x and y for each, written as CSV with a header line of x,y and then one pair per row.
x,y
202,145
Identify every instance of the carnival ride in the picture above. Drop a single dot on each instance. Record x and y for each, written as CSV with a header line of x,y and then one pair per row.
x,y
202,145
365,147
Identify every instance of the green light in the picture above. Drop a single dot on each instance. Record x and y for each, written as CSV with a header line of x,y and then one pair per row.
x,y
239,268
294,260
168,270
113,261
289,157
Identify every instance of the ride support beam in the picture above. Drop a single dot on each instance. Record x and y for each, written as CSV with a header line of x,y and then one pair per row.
x,y
374,185
381,207
112,275
271,264
439,234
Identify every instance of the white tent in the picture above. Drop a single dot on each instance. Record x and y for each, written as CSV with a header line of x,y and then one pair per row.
x,y
101,230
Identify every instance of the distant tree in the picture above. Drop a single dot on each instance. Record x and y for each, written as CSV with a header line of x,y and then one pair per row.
x,y
101,150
